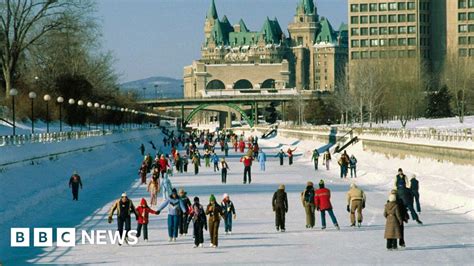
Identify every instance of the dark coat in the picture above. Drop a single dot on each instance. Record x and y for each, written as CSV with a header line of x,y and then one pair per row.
x,y
414,185
405,195
280,200
393,222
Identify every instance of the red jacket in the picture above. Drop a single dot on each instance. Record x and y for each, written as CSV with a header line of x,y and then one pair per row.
x,y
163,164
322,199
143,212
247,161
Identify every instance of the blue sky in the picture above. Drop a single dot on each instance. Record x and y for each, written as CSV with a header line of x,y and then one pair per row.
x,y
159,37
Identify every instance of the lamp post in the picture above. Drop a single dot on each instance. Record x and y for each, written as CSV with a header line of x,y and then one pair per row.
x,y
156,91
109,108
13,93
123,114
80,103
60,101
47,98
89,104
32,96
96,106
144,93
103,117
71,124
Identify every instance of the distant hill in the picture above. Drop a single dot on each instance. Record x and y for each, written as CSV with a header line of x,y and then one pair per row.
x,y
167,87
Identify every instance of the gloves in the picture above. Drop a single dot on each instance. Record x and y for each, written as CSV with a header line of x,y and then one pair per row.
x,y
348,209
109,220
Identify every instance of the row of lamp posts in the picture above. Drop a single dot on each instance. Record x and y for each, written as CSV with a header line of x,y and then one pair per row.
x,y
60,100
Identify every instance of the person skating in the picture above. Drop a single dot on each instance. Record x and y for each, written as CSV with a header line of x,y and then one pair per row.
x,y
315,158
74,184
185,163
175,205
242,146
414,187
198,216
226,148
207,158
215,212
401,180
163,165
167,187
327,159
307,198
280,207
142,149
154,188
247,161
183,222
353,165
229,213
262,158
344,164
322,200
406,195
142,172
355,202
281,155
224,169
290,155
149,162
393,222
196,162
124,207
215,161
143,212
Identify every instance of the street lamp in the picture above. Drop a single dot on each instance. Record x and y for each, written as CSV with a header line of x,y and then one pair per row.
x,y
144,93
13,93
156,91
47,98
71,102
80,103
32,96
60,101
123,113
89,104
103,116
96,106
109,108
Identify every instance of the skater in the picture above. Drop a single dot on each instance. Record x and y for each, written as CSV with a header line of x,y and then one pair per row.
x,y
224,169
242,146
322,200
280,207
315,158
154,188
262,158
290,155
142,172
414,187
185,163
197,163
167,187
404,216
163,165
406,196
307,198
215,161
149,162
207,158
183,222
215,212
355,202
226,149
143,212
229,213
327,159
344,164
401,180
353,165
247,168
124,207
175,205
198,216
281,155
74,184
393,222
142,149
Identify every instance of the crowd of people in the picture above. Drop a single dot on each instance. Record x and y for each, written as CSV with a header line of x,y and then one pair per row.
x,y
181,211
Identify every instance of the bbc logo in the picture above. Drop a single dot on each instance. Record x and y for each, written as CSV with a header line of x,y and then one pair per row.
x,y
42,237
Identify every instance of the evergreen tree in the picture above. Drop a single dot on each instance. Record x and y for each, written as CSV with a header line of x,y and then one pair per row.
x,y
439,103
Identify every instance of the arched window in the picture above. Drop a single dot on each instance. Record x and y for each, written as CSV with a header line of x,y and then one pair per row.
x,y
215,85
243,84
268,84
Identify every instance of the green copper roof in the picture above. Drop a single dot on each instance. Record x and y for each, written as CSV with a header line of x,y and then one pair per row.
x,y
212,12
243,38
327,33
307,6
226,26
271,31
243,27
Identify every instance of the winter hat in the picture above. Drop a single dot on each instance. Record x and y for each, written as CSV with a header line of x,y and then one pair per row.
x,y
212,198
321,183
392,198
281,187
143,202
225,196
309,184
400,170
413,176
181,191
174,191
124,194
196,199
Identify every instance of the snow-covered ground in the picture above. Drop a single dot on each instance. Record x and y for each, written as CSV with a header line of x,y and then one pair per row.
x,y
424,123
446,195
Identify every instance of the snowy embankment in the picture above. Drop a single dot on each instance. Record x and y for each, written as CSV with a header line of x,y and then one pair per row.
x,y
37,194
425,123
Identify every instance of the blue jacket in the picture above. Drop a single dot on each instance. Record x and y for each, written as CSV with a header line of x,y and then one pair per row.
x,y
173,205
166,183
215,158
262,157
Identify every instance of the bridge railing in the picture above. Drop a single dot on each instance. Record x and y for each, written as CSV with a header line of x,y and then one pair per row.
x,y
249,92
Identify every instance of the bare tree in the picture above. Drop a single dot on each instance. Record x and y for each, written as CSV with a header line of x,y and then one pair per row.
x,y
458,75
22,24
